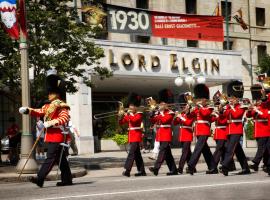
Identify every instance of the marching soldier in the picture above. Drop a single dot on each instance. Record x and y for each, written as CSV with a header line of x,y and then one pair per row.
x,y
55,116
259,113
185,119
220,132
235,113
134,120
202,131
163,119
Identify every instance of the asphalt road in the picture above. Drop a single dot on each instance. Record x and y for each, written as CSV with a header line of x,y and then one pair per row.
x,y
108,184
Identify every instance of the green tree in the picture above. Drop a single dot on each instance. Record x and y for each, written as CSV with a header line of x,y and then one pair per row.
x,y
57,38
264,65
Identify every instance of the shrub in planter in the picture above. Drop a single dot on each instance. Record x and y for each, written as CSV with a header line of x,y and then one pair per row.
x,y
249,129
120,139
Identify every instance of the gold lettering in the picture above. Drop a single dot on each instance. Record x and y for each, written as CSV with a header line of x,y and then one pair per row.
x,y
196,66
142,62
214,65
155,61
205,65
127,60
184,64
173,61
111,58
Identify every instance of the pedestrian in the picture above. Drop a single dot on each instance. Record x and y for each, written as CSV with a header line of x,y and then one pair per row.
x,y
56,118
73,133
40,145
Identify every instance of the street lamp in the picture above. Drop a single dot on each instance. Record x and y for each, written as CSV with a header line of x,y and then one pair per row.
x,y
189,79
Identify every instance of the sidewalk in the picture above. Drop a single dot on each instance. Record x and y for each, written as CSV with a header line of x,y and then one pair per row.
x,y
117,159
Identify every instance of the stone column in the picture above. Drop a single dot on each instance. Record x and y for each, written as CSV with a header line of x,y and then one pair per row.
x,y
81,116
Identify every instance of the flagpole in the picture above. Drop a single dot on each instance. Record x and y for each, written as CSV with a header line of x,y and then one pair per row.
x,y
227,26
250,48
26,140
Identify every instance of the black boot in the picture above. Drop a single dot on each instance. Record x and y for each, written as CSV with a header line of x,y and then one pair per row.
x,y
172,173
126,173
212,171
64,183
254,167
140,174
244,172
36,181
153,170
180,170
224,171
190,170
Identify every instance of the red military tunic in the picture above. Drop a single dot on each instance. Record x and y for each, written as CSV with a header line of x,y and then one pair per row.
x,y
221,127
203,121
163,120
57,111
134,122
260,117
235,115
185,129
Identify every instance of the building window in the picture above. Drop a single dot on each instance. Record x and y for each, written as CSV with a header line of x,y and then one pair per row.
x,y
191,6
260,16
192,43
139,38
142,4
262,51
223,9
230,45
164,41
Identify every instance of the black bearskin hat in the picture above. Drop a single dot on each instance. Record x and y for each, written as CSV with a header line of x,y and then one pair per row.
x,y
165,96
134,99
256,92
55,84
201,91
235,89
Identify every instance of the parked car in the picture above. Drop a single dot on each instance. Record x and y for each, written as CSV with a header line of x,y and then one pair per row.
x,y
5,145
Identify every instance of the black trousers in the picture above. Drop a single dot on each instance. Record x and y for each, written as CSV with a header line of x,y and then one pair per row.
x,y
165,153
220,151
202,147
53,157
234,147
186,154
266,156
262,145
134,154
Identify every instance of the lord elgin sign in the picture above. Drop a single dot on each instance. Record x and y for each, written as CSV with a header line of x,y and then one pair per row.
x,y
175,62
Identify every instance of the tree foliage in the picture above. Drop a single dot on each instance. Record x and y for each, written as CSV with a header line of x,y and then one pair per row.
x,y
58,39
264,65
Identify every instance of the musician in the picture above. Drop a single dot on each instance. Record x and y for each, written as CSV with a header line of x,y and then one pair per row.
x,y
202,130
163,119
55,116
133,117
235,113
259,113
185,118
220,132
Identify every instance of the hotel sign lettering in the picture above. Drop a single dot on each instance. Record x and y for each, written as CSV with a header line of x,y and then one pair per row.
x,y
173,61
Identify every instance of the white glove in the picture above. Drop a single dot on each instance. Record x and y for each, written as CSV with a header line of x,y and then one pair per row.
x,y
50,123
23,110
40,125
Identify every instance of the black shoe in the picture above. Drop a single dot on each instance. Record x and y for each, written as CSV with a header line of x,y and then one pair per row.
x,y
190,170
224,171
126,173
254,167
64,183
172,173
140,174
212,171
180,170
231,169
36,181
244,172
153,170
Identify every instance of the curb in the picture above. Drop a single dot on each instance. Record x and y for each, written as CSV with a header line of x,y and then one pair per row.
x,y
13,177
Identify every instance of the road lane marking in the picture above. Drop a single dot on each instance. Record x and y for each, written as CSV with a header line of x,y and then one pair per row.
x,y
157,189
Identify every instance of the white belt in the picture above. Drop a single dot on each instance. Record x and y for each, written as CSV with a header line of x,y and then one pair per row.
x,y
134,128
220,126
260,120
235,120
188,127
202,122
164,126
268,112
